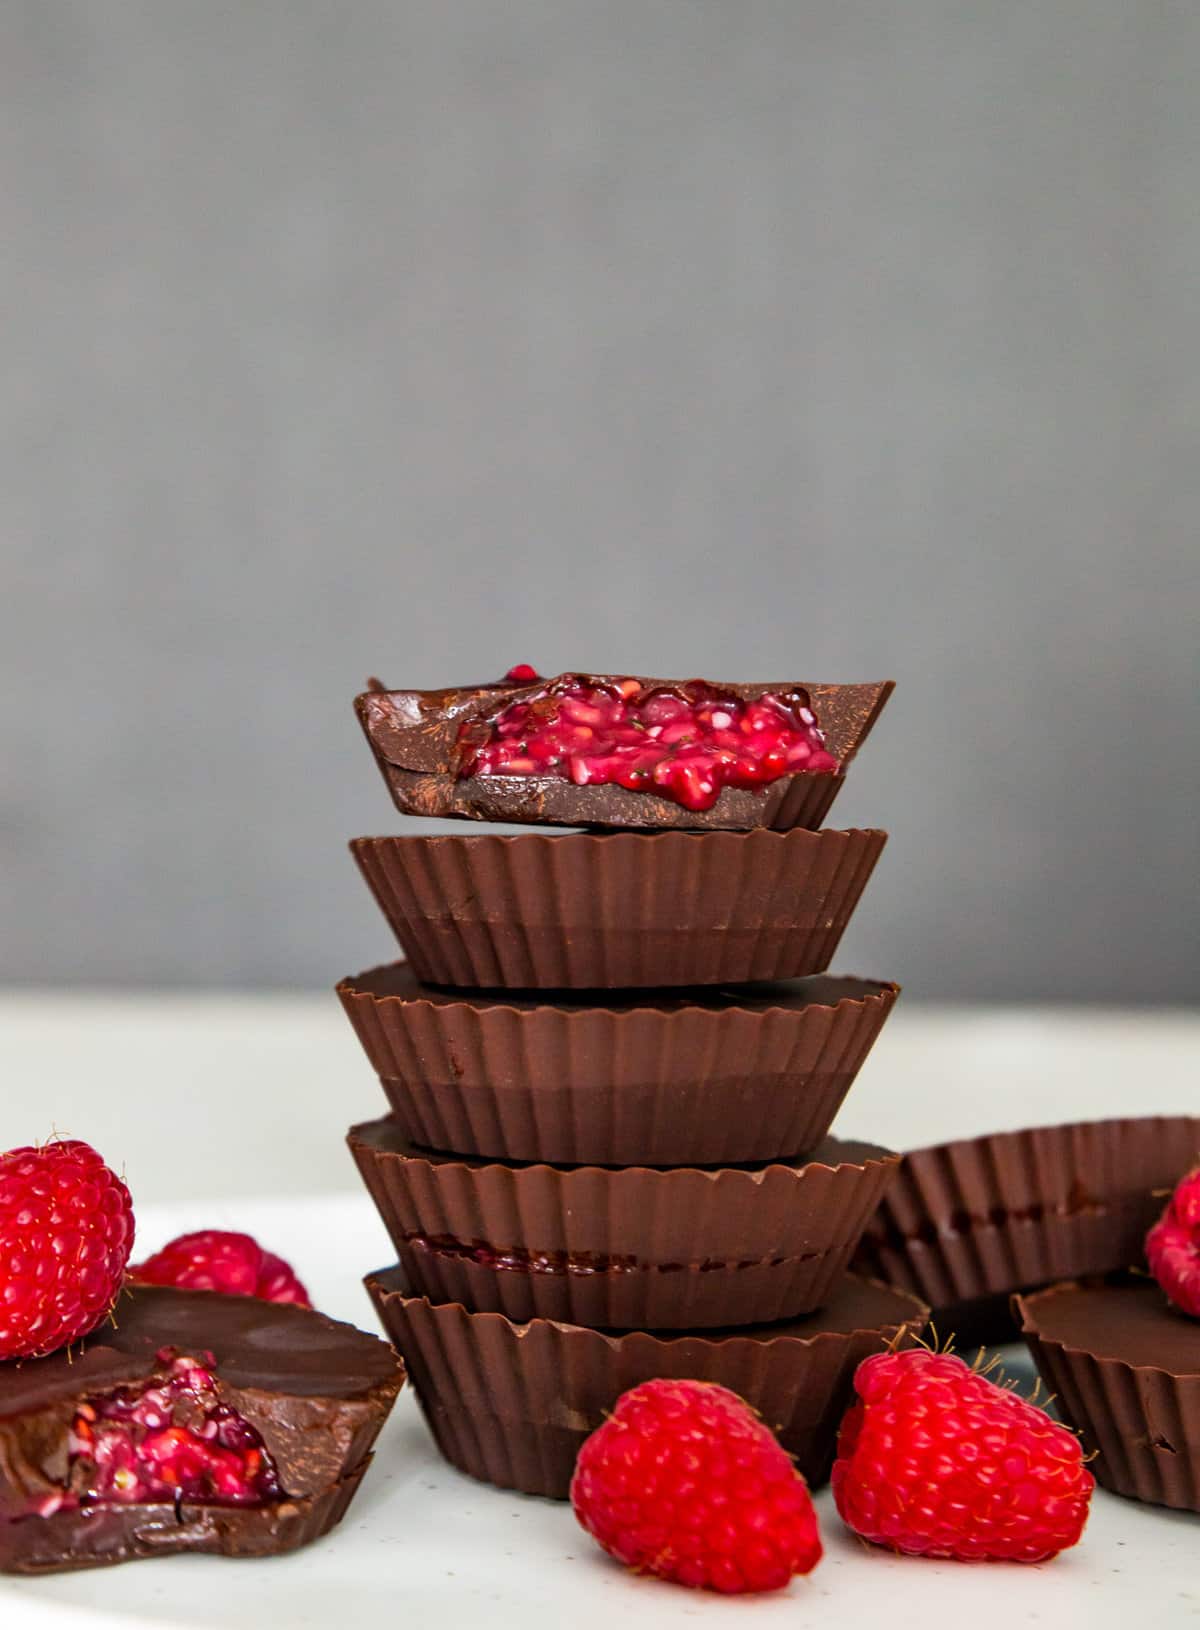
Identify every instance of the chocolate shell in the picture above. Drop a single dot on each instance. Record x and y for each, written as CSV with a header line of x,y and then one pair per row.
x,y
414,736
511,1403
618,910
711,1079
625,1248
965,1224
316,1391
1124,1368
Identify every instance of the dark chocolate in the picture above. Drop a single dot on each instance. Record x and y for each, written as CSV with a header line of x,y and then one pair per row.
x,y
1124,1367
511,1403
625,1247
414,735
316,1391
618,910
712,1077
974,1220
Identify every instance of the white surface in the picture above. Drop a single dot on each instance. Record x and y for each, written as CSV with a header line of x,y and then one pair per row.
x,y
206,1099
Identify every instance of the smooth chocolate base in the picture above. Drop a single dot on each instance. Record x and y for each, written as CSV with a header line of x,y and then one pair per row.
x,y
414,736
1125,1368
316,1391
511,1404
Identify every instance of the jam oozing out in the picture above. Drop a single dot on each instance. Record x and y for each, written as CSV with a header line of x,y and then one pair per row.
x,y
171,1439
574,1264
684,742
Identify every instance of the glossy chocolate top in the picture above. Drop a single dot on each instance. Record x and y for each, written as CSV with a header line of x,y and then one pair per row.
x,y
1129,1319
266,1347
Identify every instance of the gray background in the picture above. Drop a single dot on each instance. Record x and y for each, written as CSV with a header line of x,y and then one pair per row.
x,y
751,339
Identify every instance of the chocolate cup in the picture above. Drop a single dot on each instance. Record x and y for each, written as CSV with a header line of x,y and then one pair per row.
x,y
626,1248
316,1391
618,910
414,734
967,1222
512,1403
720,1079
1125,1370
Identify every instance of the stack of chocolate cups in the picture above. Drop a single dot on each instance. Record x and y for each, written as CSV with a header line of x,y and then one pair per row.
x,y
612,1058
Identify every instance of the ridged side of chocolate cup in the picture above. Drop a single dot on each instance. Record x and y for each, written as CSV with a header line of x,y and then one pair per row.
x,y
101,1537
754,1076
627,1247
1142,1422
511,1404
965,1222
413,735
611,910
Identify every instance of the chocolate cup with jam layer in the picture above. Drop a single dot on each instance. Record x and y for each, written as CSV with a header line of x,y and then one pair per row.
x,y
965,1224
1124,1368
630,1247
618,910
311,1395
718,1078
414,735
511,1403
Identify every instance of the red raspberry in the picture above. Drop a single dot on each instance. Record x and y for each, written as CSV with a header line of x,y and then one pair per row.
x,y
66,1231
684,1481
234,1264
1173,1246
939,1461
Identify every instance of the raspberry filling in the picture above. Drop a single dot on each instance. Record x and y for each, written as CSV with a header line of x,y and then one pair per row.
x,y
171,1439
684,742
582,1264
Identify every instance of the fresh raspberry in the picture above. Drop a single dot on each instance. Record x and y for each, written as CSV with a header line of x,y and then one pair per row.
x,y
66,1231
939,1461
234,1264
684,1481
1173,1246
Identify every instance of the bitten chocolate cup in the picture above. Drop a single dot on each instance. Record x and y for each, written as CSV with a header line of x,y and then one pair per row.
x,y
511,1403
414,736
719,1078
624,1248
315,1392
966,1224
1124,1367
618,910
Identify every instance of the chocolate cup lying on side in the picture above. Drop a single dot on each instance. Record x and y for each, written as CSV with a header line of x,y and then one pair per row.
x,y
1124,1367
618,910
710,1079
511,1403
965,1224
414,736
316,1393
623,1248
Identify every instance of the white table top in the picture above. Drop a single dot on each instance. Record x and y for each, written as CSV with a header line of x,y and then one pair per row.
x,y
230,1113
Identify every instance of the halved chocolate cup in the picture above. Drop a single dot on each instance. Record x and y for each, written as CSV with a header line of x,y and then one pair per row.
x,y
315,1391
967,1223
710,1079
414,736
627,1248
512,1403
1124,1367
618,910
